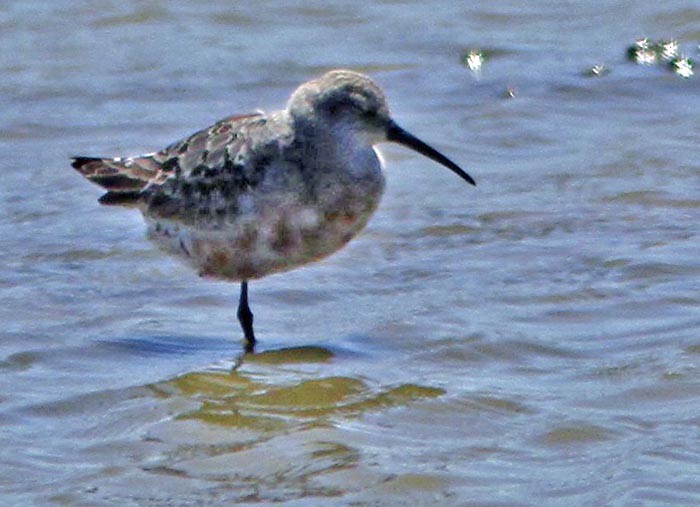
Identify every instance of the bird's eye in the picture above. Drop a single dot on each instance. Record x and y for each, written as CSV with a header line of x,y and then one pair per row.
x,y
368,113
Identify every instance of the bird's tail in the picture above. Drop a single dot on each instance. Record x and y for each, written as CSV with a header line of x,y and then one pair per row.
x,y
123,178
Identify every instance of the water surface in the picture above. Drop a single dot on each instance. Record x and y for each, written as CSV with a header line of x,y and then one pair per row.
x,y
532,341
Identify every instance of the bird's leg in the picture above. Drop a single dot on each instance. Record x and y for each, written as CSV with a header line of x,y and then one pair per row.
x,y
245,317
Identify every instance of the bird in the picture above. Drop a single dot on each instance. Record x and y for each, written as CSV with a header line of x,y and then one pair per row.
x,y
264,193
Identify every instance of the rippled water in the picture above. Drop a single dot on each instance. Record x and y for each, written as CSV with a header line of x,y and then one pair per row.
x,y
533,341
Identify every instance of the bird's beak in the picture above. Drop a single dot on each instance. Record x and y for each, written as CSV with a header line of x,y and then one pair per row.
x,y
398,135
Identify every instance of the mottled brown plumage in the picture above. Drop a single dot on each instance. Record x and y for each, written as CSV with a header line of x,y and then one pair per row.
x,y
138,178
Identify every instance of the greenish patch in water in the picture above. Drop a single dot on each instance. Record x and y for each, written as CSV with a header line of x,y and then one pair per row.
x,y
260,394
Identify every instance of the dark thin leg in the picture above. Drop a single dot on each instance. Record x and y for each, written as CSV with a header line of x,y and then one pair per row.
x,y
245,317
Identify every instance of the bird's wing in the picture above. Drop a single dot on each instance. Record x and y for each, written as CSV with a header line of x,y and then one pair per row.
x,y
210,152
208,149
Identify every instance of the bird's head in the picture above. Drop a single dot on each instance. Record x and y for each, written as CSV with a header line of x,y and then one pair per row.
x,y
347,100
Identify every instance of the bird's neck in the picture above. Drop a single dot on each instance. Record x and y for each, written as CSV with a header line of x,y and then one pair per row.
x,y
343,147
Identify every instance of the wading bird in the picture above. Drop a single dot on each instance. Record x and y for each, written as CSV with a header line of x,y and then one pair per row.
x,y
263,193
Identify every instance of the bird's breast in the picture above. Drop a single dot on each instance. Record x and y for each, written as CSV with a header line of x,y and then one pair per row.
x,y
274,229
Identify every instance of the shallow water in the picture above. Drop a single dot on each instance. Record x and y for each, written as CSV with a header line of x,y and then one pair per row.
x,y
532,341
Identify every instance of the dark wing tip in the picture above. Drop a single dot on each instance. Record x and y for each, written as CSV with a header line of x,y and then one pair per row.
x,y
79,162
123,183
120,198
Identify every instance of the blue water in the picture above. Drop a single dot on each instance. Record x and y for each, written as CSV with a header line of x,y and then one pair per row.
x,y
530,341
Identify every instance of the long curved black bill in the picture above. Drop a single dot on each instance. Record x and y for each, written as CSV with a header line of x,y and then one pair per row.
x,y
398,135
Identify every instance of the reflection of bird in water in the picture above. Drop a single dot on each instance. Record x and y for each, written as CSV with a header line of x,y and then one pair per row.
x,y
263,193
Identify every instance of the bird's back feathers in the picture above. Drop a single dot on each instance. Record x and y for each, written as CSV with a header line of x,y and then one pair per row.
x,y
133,180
